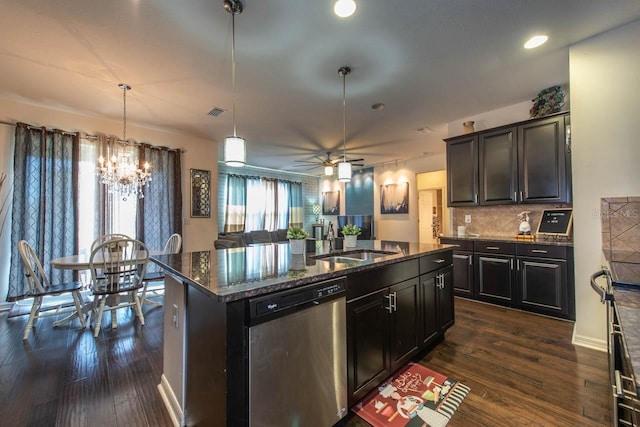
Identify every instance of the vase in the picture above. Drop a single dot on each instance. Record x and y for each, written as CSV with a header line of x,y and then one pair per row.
x,y
297,246
350,241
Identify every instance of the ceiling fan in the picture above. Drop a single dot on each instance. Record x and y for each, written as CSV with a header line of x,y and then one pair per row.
x,y
327,163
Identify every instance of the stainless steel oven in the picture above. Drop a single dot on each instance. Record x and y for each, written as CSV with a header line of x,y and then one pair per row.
x,y
626,406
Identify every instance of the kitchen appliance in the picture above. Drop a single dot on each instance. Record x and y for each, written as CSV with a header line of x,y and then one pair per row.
x,y
626,406
298,356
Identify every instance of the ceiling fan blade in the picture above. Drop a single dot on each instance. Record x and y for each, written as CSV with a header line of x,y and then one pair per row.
x,y
355,160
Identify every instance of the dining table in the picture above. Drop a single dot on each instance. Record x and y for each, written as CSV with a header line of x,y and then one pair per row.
x,y
81,262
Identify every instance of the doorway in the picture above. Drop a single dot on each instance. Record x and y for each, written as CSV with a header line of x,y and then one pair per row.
x,y
430,219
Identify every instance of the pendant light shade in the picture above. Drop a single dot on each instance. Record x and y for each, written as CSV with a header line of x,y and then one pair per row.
x,y
235,152
344,167
344,172
344,8
328,170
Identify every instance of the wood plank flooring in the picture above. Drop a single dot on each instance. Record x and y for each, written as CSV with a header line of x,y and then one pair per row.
x,y
522,370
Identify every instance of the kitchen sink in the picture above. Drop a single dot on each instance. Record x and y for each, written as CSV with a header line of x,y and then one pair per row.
x,y
353,256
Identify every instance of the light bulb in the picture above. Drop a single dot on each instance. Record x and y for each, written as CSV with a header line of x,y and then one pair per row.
x,y
344,8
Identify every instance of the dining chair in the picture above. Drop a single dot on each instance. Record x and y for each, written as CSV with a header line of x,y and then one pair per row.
x,y
40,287
154,281
107,237
117,269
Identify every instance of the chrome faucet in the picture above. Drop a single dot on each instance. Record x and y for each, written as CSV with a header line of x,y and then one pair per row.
x,y
330,236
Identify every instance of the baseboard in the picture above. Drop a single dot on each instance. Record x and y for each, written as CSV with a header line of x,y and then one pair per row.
x,y
588,342
170,402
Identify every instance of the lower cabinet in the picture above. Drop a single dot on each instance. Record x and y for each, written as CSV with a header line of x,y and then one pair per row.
x,y
437,304
382,333
534,277
389,326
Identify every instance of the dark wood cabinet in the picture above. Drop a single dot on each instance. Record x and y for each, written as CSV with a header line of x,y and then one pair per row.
x,y
368,344
498,160
542,165
463,280
495,278
403,300
525,162
462,171
386,325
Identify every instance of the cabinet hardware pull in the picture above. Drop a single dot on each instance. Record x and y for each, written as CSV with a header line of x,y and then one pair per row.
x,y
395,301
438,261
518,265
522,196
618,392
476,198
511,263
515,196
538,251
493,248
470,260
389,308
437,281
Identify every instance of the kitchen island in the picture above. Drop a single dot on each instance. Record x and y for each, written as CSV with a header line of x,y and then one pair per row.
x,y
398,293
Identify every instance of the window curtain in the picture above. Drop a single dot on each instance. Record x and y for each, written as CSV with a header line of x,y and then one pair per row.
x,y
254,213
45,204
296,211
160,210
234,217
283,204
103,220
270,204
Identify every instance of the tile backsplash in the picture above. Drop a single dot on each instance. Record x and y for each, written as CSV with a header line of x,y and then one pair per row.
x,y
499,221
620,218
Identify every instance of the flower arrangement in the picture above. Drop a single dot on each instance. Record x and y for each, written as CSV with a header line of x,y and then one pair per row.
x,y
296,233
351,230
549,100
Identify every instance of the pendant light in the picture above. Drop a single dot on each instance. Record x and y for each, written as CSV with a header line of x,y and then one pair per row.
x,y
235,152
344,8
344,167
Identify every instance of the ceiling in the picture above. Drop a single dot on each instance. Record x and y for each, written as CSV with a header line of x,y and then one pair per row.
x,y
429,61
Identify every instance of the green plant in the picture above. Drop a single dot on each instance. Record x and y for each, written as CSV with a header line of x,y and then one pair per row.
x,y
296,233
351,230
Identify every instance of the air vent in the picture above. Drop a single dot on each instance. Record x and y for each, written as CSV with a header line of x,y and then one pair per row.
x,y
216,112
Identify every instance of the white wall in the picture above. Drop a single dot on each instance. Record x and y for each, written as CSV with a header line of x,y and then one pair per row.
x,y
605,84
402,227
198,233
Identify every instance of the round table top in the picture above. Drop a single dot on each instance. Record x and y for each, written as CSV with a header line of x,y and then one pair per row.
x,y
80,262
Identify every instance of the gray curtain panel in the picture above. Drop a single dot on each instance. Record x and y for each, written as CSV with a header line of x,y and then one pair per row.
x,y
44,201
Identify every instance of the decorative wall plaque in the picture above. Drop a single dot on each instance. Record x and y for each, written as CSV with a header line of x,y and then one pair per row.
x,y
200,193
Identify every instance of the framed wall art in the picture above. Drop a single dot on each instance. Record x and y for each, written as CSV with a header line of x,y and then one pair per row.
x,y
331,203
200,193
394,198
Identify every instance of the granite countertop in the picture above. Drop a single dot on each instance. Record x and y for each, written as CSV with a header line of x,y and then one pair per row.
x,y
233,274
511,239
625,276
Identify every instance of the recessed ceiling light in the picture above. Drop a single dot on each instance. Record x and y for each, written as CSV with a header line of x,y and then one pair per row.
x,y
424,130
379,106
344,8
536,41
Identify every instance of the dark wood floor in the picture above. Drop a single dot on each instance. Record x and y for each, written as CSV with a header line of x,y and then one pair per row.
x,y
522,370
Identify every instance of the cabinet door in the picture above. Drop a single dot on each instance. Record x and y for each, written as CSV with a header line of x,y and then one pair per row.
x,y
445,299
494,278
462,171
463,273
543,286
405,326
541,158
498,160
429,319
368,343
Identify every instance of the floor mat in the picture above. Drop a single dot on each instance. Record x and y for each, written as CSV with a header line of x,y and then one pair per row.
x,y
413,396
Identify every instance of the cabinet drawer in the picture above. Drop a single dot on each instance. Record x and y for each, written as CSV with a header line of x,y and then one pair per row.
x,y
435,261
542,251
461,244
496,248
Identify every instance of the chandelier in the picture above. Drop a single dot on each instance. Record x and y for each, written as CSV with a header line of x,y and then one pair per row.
x,y
120,173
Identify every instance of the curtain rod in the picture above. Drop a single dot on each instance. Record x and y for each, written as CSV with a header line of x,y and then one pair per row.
x,y
260,177
90,137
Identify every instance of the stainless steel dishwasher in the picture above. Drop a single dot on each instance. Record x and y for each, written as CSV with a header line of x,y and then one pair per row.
x,y
298,356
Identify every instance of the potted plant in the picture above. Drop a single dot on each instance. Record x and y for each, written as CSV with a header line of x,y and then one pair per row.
x,y
350,233
296,236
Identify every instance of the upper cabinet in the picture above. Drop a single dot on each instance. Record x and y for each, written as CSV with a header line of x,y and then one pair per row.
x,y
527,162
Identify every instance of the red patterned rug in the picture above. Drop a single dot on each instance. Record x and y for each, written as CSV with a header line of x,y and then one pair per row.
x,y
414,396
